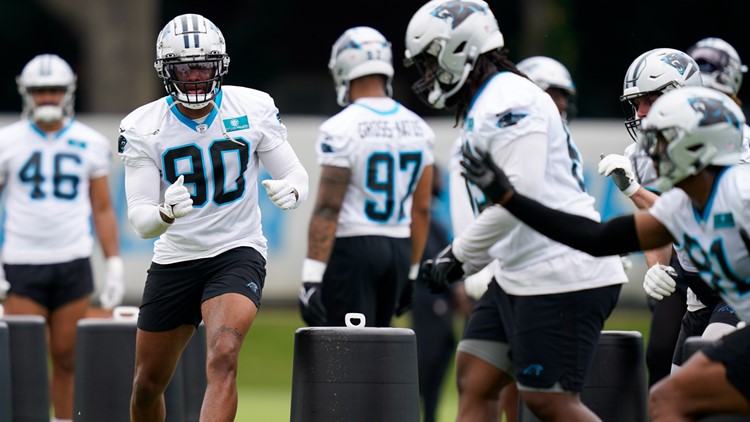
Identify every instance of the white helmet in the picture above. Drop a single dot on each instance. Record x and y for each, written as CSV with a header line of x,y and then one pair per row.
x,y
720,65
358,52
655,72
689,129
187,43
444,39
47,71
547,73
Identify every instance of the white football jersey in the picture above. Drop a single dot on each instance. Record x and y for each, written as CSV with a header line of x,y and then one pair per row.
x,y
506,109
46,179
712,238
745,158
387,147
220,173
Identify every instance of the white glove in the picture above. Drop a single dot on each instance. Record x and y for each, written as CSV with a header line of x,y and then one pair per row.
x,y
281,193
620,170
659,282
177,202
627,263
476,284
4,284
114,284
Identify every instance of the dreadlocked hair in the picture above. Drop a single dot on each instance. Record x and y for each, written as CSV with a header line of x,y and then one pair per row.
x,y
487,65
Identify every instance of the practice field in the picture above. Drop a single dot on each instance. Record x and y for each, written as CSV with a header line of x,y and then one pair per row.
x,y
265,373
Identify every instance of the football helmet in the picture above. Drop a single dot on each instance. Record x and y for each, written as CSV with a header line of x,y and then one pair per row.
x,y
547,73
719,63
689,129
444,39
358,52
47,71
191,59
655,72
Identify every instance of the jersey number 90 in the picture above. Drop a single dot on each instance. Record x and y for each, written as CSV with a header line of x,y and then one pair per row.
x,y
217,154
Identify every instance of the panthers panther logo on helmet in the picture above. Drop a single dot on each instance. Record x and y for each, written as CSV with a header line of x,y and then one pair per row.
x,y
681,62
713,111
457,11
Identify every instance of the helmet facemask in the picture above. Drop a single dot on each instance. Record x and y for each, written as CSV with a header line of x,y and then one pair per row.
x,y
630,107
436,85
193,83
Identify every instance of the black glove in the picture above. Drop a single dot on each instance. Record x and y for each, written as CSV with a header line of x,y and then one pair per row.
x,y
745,239
483,172
406,297
439,272
311,304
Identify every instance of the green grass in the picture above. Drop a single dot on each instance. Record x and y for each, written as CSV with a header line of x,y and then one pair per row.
x,y
265,375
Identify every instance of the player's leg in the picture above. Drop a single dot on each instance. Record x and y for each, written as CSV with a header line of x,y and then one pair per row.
x,y
482,361
156,356
169,314
432,321
553,345
666,320
723,321
63,323
69,292
228,318
231,299
508,405
349,285
715,380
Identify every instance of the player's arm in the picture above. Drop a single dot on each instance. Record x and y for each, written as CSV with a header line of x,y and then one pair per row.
x,y
621,235
143,195
103,214
324,220
420,215
321,235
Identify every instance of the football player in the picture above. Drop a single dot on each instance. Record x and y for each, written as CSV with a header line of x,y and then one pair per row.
x,y
191,168
372,212
528,313
694,136
54,171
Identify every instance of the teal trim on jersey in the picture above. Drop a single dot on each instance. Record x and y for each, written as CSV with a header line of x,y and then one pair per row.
x,y
43,134
701,217
481,89
189,122
725,220
382,113
236,123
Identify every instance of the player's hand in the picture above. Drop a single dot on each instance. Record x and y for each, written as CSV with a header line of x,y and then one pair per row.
x,y
476,284
483,172
620,170
439,272
4,287
177,202
311,304
406,297
281,193
627,263
114,284
660,281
